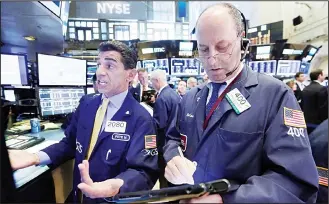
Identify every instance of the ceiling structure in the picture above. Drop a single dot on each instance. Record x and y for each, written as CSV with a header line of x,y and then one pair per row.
x,y
30,18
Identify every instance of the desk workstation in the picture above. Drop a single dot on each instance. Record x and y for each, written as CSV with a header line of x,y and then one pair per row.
x,y
50,100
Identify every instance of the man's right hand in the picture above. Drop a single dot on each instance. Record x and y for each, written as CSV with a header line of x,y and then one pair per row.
x,y
180,170
20,159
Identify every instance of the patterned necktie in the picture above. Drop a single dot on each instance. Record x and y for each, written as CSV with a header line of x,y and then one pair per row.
x,y
214,96
97,125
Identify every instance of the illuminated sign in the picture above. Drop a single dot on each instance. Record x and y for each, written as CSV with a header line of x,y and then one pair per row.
x,y
113,8
153,50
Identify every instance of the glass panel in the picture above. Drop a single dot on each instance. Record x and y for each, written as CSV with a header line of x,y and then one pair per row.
x,y
141,27
110,30
150,37
111,24
72,35
71,23
126,35
185,37
96,36
88,34
72,30
104,36
185,27
149,31
89,24
157,35
111,36
95,24
185,32
133,36
142,37
103,27
178,27
83,24
81,35
77,23
150,25
164,36
95,30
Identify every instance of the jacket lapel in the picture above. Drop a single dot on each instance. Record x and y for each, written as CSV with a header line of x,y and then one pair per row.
x,y
246,80
201,99
88,116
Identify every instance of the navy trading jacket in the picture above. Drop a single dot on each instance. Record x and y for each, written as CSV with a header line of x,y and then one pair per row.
x,y
262,149
120,154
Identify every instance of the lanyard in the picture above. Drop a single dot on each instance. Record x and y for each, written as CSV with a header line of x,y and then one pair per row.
x,y
212,110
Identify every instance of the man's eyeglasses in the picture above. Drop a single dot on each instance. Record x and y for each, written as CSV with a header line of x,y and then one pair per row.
x,y
203,57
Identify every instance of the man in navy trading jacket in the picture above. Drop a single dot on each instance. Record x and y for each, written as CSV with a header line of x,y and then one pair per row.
x,y
111,136
243,126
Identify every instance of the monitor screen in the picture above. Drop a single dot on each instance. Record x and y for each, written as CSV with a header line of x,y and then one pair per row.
x,y
266,67
151,65
13,70
61,71
90,90
58,101
185,46
263,50
288,67
185,66
312,51
91,71
10,95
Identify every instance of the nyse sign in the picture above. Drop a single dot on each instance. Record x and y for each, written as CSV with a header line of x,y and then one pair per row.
x,y
117,8
111,10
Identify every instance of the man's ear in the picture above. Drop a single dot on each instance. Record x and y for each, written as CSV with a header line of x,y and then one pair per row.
x,y
131,74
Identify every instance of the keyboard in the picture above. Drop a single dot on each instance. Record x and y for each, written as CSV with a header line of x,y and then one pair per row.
x,y
21,142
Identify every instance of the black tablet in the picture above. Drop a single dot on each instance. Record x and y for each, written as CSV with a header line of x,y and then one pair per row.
x,y
173,193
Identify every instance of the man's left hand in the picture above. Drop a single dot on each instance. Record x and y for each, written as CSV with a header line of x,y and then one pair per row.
x,y
107,188
215,198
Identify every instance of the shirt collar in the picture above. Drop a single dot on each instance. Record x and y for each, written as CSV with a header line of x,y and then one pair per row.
x,y
117,100
162,89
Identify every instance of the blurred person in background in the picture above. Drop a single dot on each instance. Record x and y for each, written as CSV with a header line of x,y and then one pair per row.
x,y
164,110
299,78
191,83
181,88
315,100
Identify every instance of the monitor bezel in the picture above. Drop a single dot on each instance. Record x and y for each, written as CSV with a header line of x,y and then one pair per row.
x,y
37,63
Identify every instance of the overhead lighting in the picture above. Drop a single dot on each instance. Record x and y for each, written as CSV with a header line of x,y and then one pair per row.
x,y
30,38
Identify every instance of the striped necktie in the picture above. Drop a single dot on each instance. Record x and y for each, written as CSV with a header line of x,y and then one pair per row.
x,y
97,125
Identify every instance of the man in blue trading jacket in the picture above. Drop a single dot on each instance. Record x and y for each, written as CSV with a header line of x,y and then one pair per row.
x,y
164,110
243,126
112,133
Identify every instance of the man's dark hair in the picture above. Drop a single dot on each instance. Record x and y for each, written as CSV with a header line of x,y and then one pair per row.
x,y
297,75
314,75
94,78
128,56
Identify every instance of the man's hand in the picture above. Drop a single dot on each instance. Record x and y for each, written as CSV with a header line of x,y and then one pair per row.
x,y
215,198
107,188
180,170
20,159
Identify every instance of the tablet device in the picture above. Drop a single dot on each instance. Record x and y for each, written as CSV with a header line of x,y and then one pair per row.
x,y
173,193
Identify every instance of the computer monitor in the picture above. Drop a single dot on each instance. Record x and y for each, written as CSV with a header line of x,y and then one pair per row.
x,y
59,101
266,67
13,69
61,71
10,95
151,65
185,66
90,90
288,67
91,71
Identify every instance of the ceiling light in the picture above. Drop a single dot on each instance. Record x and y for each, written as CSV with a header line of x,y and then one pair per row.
x,y
30,38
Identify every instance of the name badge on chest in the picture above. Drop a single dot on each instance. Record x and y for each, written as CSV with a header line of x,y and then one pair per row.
x,y
115,126
238,102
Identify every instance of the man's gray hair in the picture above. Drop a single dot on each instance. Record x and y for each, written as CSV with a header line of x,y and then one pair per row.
x,y
159,74
233,11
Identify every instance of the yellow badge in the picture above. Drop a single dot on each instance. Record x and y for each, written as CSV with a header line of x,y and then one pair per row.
x,y
150,141
294,118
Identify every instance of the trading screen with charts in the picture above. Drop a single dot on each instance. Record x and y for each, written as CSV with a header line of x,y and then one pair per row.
x,y
57,101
